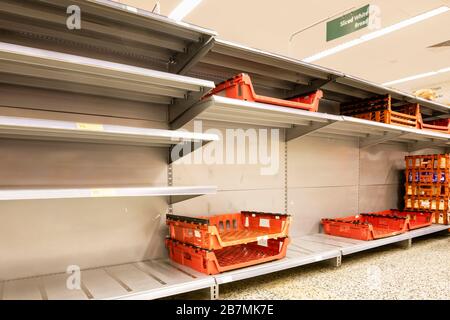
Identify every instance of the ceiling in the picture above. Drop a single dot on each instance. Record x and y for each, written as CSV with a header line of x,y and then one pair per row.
x,y
269,26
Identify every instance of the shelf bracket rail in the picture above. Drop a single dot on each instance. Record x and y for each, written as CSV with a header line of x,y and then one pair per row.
x,y
312,86
387,136
177,110
301,131
184,148
420,145
183,62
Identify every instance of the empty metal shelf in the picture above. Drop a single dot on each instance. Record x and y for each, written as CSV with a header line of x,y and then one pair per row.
x,y
139,281
175,194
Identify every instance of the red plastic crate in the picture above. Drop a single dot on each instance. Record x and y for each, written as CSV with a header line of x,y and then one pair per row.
x,y
241,87
415,220
365,226
229,258
441,125
224,230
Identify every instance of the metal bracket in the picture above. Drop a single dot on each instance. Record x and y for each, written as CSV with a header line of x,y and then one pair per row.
x,y
179,107
183,62
185,148
188,115
301,131
420,145
372,141
312,86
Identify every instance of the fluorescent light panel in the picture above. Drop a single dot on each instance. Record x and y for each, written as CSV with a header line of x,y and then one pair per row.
x,y
377,34
183,9
417,76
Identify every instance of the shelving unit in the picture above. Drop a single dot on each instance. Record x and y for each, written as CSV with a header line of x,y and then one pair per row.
x,y
129,54
286,77
301,123
162,278
110,31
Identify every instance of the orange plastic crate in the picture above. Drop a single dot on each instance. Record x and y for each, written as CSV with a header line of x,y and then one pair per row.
x,y
224,230
229,258
415,220
429,177
241,87
427,203
380,109
441,125
427,190
366,226
428,162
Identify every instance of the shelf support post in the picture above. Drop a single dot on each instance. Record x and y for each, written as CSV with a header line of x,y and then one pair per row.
x,y
336,262
405,244
215,292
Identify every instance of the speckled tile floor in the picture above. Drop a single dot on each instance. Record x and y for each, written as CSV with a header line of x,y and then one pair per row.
x,y
389,272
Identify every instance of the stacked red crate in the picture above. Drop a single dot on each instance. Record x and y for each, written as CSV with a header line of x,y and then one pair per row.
x,y
214,244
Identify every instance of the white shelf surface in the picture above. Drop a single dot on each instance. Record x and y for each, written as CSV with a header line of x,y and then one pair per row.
x,y
161,278
139,281
301,122
175,194
57,69
42,129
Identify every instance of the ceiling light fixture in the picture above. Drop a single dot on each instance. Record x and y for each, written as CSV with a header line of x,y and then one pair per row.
x,y
417,76
377,34
183,9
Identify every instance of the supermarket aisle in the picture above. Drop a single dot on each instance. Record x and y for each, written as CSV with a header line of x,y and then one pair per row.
x,y
390,272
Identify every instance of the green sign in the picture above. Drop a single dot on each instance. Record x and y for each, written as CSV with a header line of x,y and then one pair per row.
x,y
348,23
